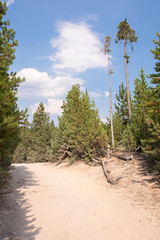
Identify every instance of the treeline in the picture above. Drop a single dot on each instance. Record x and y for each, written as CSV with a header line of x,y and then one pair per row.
x,y
79,135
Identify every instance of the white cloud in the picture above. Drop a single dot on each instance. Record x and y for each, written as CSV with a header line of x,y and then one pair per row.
x,y
40,84
77,48
107,94
9,2
53,106
103,120
95,94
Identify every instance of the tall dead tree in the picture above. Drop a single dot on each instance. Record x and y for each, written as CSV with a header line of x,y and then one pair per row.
x,y
107,51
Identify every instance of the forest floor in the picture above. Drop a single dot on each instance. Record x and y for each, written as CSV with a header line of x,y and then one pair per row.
x,y
48,202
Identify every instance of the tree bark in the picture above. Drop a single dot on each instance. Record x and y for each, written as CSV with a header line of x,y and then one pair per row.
x,y
106,173
64,156
123,157
127,83
110,93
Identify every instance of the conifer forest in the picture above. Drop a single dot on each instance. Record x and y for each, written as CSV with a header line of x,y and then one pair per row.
x,y
133,125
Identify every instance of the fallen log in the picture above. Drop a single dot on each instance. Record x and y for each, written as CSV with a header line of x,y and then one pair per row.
x,y
64,156
123,157
106,173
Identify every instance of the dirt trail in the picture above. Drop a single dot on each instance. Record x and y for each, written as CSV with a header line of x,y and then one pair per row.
x,y
45,202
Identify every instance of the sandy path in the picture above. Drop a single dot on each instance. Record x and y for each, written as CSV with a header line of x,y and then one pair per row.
x,y
45,202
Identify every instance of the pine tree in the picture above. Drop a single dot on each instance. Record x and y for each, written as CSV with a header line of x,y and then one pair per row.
x,y
140,109
121,106
126,34
151,144
22,150
129,142
10,116
35,142
107,51
80,127
154,102
41,130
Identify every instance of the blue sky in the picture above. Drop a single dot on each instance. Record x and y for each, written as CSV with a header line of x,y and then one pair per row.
x,y
59,44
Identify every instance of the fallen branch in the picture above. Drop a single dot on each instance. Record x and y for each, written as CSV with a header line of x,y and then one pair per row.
x,y
123,157
64,156
96,161
106,173
137,148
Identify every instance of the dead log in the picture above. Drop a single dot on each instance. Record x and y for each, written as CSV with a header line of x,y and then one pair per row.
x,y
64,156
137,148
105,170
106,173
123,157
98,159
96,162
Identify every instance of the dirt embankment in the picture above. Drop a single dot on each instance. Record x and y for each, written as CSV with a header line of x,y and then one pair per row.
x,y
76,203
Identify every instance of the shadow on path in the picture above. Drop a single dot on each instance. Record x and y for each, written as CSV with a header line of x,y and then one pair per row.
x,y
16,219
146,169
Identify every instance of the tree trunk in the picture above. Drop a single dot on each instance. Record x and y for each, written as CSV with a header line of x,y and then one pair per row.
x,y
109,73
127,84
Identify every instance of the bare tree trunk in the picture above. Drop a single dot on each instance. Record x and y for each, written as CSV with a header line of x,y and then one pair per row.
x,y
127,84
109,73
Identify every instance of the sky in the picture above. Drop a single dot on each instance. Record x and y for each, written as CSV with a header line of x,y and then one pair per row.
x,y
60,44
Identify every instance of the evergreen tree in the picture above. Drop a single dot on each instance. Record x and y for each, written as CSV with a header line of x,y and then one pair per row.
x,y
41,130
154,102
40,118
129,142
152,143
35,144
22,150
126,34
10,116
107,51
80,127
140,109
121,106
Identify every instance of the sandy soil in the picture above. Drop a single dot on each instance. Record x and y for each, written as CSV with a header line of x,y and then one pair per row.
x,y
46,202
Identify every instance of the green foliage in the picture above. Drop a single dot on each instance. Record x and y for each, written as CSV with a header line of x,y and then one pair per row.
x,y
140,108
125,33
107,43
154,103
122,106
10,116
151,144
118,129
35,145
129,142
40,118
80,127
4,175
56,141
